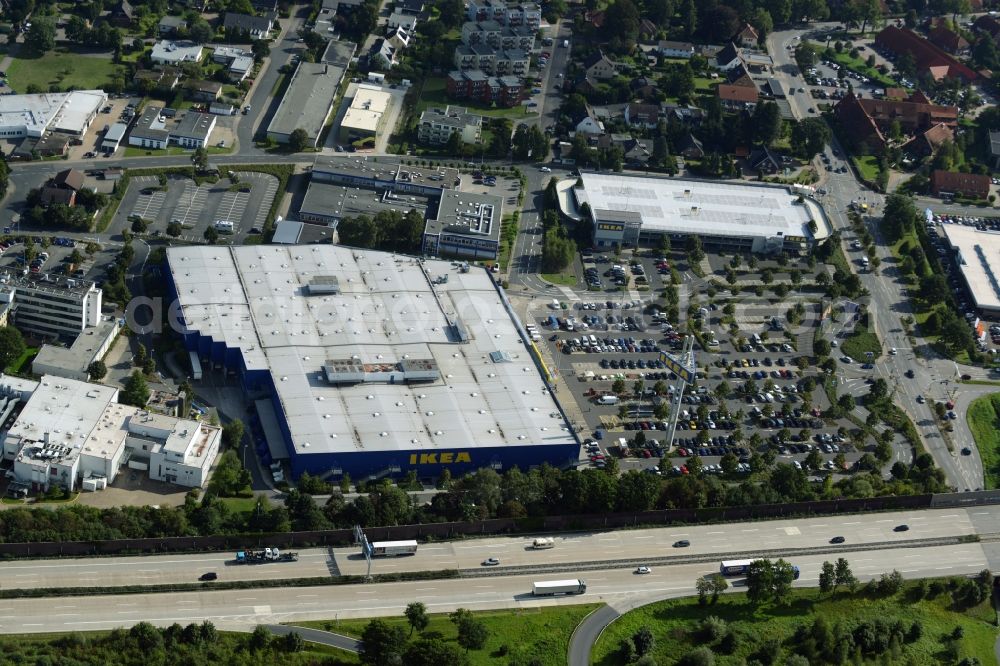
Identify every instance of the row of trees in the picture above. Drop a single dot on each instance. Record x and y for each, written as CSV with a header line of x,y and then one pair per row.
x,y
384,643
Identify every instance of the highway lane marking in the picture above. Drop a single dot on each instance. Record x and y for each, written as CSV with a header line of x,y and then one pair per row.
x,y
306,596
26,624
646,537
857,523
753,530
424,589
63,607
246,598
710,533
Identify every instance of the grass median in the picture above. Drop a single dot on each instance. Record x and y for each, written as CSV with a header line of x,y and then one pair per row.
x,y
983,416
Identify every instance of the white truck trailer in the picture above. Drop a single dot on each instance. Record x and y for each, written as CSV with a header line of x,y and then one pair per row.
x,y
548,588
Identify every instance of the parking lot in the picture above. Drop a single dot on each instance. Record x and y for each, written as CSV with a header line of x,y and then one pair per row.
x,y
54,258
755,391
245,203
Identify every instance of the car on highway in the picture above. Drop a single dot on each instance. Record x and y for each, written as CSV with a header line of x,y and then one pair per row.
x,y
683,543
643,570
901,528
966,451
208,575
491,561
837,539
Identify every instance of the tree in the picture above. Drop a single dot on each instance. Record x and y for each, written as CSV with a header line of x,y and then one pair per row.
x,y
41,36
11,345
174,229
827,578
261,49
434,652
136,392
879,389
821,347
472,634
96,370
211,235
200,158
899,216
844,576
149,367
298,140
416,615
765,123
809,136
232,433
381,644
200,31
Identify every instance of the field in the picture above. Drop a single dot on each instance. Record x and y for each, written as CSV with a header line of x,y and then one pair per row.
x,y
867,166
984,422
675,623
532,636
60,69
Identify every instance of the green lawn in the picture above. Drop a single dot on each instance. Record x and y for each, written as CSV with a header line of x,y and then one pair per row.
x,y
565,279
860,343
859,65
984,422
18,365
60,69
867,166
674,626
135,151
434,94
538,636
240,504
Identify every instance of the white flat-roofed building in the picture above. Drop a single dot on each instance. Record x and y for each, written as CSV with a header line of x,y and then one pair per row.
x,y
467,226
52,307
169,52
33,115
113,137
73,361
978,258
634,210
364,117
375,363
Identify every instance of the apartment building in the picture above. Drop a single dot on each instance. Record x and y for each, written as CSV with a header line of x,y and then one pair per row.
x,y
491,33
437,126
478,85
494,62
506,13
52,306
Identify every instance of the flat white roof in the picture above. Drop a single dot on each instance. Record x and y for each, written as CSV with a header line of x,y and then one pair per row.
x,y
66,409
696,207
68,112
390,309
367,107
979,261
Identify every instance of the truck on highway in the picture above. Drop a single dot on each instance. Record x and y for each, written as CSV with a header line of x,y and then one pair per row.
x,y
550,588
263,556
742,568
393,548
542,543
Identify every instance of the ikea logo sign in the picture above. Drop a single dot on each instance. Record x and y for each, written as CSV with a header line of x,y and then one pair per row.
x,y
440,458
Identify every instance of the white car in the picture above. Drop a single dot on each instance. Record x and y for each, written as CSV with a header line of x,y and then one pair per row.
x,y
892,352
643,570
545,170
491,561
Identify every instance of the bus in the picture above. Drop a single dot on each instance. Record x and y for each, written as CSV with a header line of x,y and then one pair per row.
x,y
742,568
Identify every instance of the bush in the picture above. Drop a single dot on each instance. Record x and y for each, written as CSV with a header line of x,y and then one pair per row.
x,y
701,656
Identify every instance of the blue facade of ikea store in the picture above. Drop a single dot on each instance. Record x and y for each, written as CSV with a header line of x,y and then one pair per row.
x,y
257,384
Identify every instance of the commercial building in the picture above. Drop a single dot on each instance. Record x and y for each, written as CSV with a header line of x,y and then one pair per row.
x,y
34,115
977,254
168,52
71,434
51,306
465,225
113,137
194,130
384,174
375,364
73,361
150,131
363,118
307,102
954,183
437,126
928,58
634,210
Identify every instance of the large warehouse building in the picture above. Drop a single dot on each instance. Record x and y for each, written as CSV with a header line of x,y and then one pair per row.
x,y
977,254
375,364
34,115
635,210
307,102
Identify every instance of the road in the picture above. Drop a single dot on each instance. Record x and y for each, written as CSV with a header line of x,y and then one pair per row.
x,y
243,609
515,551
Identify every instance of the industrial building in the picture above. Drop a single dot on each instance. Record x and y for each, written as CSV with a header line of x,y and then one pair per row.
x,y
34,115
636,210
50,306
73,361
977,254
466,225
370,363
363,118
194,130
70,434
307,102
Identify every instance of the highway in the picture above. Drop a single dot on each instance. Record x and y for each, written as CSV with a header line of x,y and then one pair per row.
x,y
515,551
243,609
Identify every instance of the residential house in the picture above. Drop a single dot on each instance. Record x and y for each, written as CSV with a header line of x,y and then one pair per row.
x,y
527,14
928,58
764,159
223,55
737,97
492,61
398,37
669,49
122,14
400,19
896,94
169,25
163,79
599,66
642,115
168,52
637,151
690,147
51,144
204,91
647,29
728,57
254,27
51,195
436,126
952,183
644,87
477,85
382,54
757,62
590,125
747,37
411,7
739,75
949,41
688,114
240,68
926,143
62,187
871,119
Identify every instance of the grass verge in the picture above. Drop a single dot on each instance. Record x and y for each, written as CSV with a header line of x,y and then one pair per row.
x,y
538,636
676,627
565,279
17,365
984,421
861,342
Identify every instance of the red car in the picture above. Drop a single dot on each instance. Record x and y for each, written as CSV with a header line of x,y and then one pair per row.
x,y
646,453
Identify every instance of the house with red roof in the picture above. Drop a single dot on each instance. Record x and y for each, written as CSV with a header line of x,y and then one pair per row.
x,y
953,183
927,57
948,40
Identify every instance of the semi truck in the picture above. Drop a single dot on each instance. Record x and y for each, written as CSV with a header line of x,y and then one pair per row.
x,y
543,542
393,548
263,556
550,588
742,567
